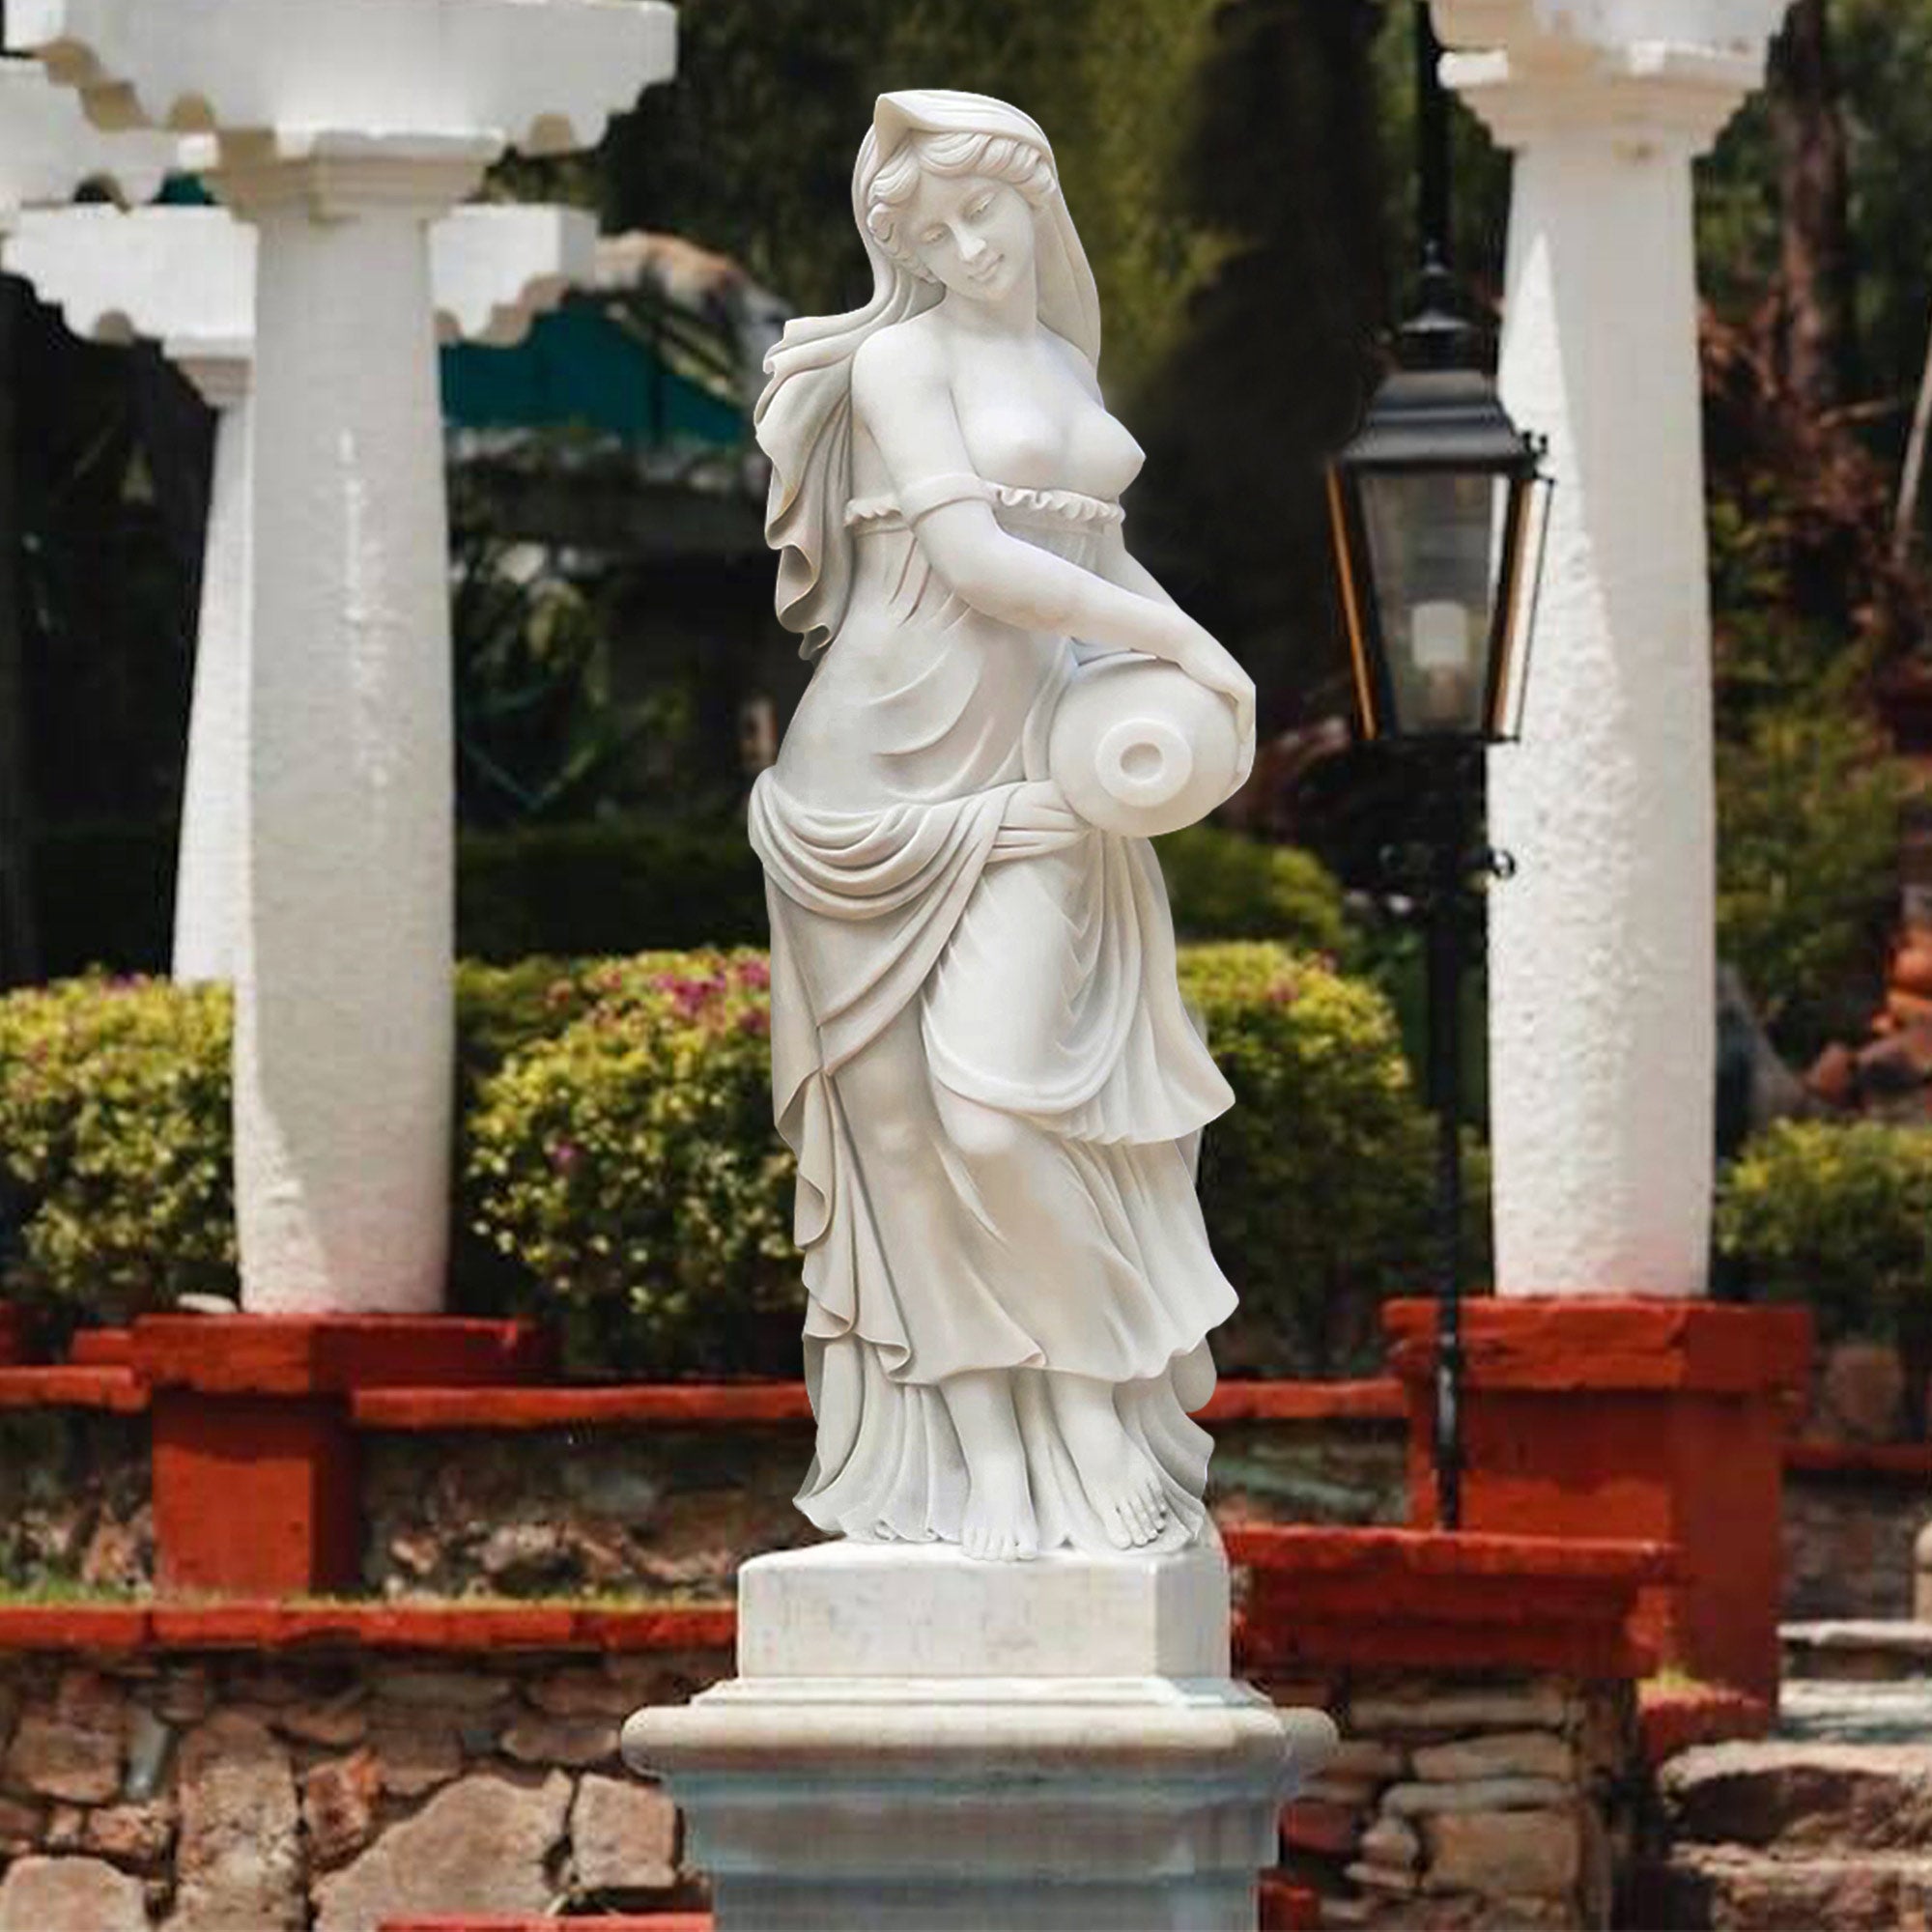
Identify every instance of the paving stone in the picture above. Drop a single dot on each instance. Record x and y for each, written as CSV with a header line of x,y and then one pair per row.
x,y
446,1690
338,1806
240,1860
138,1836
71,1896
1367,1757
418,1751
1391,1842
334,1722
1728,1888
581,1694
1801,1795
1513,1854
478,1846
60,1759
624,1835
20,1826
1500,1754
1480,1794
577,1741
1536,1706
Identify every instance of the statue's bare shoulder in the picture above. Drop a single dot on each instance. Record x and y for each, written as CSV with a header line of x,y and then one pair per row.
x,y
901,366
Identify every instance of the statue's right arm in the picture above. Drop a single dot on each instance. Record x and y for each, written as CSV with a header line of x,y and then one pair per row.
x,y
900,394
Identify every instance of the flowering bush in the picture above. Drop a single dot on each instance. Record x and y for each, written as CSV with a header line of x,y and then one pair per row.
x,y
629,1168
617,1168
114,1136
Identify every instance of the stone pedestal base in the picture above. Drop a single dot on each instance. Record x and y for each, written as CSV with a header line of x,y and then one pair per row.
x,y
922,1743
1655,1420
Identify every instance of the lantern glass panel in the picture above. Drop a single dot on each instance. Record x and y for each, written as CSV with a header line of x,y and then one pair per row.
x,y
1434,540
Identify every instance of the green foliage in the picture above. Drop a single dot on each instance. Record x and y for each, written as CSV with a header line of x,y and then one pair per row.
x,y
1807,869
615,885
617,1168
1840,1217
752,152
537,735
630,1167
1223,885
1317,1186
114,1133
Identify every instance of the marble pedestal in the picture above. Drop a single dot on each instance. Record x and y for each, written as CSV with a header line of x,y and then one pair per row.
x,y
920,1742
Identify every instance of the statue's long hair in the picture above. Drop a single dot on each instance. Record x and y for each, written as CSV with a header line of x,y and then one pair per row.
x,y
804,419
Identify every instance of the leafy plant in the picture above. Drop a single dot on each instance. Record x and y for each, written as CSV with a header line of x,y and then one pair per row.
x,y
617,1168
1807,869
114,1133
1841,1218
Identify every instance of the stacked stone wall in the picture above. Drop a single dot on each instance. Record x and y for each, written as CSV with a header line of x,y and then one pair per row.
x,y
329,1791
1468,1801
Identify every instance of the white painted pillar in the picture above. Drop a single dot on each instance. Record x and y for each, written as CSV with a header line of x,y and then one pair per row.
x,y
344,1039
1602,1023
341,130
207,869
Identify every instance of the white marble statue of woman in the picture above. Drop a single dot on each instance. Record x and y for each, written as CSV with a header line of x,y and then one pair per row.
x,y
979,1052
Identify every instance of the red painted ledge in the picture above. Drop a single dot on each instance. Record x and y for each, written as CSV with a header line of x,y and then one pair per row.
x,y
666,1405
453,1626
1672,1716
741,1405
328,1354
66,1386
1560,1342
1418,1599
1861,1461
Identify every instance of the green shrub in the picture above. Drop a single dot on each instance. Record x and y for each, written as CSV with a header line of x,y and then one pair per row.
x,y
1225,885
114,1134
629,1168
1836,1217
1807,869
1317,1186
617,1168
612,886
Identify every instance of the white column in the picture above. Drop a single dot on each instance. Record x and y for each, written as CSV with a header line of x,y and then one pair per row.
x,y
207,872
344,1039
342,130
1602,1026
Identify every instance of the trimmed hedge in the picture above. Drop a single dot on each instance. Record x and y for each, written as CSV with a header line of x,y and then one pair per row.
x,y
1838,1217
617,1168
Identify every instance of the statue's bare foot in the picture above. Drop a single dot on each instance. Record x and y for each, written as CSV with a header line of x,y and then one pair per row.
x,y
1000,1527
1121,1483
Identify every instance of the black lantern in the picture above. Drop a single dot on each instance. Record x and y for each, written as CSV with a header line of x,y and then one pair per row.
x,y
1438,510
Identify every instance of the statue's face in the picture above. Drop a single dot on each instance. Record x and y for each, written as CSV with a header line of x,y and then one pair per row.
x,y
974,235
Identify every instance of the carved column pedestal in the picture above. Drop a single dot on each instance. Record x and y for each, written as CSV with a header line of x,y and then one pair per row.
x,y
920,1740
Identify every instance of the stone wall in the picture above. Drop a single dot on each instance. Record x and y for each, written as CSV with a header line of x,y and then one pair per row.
x,y
551,1511
1848,1539
224,1790
1467,1801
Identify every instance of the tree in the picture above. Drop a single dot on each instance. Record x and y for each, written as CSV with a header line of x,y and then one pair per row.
x,y
1816,305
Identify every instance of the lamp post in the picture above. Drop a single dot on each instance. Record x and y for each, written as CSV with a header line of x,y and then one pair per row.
x,y
1438,508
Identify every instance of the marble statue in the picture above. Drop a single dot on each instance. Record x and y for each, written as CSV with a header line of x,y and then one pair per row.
x,y
981,1055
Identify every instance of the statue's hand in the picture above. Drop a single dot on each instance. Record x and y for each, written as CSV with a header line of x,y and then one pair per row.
x,y
1038,819
1207,662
